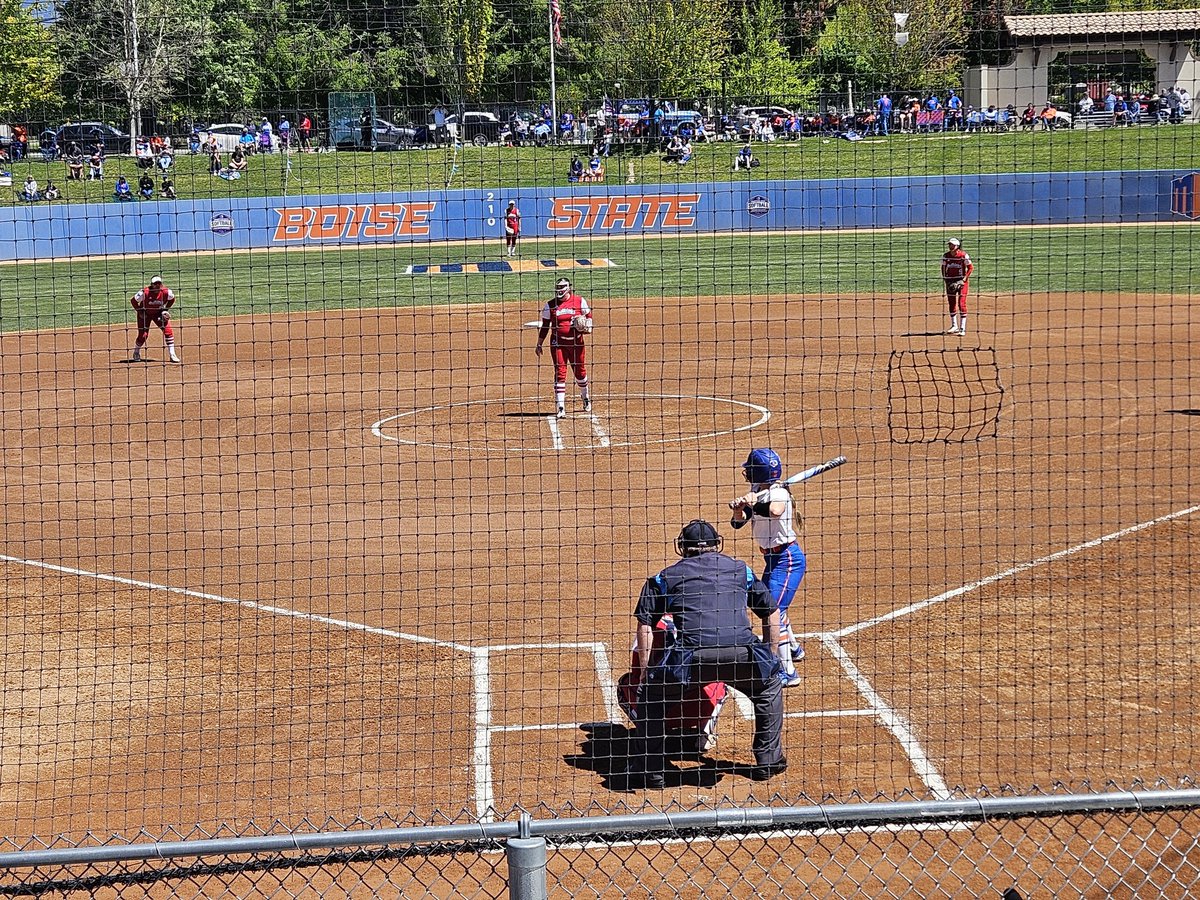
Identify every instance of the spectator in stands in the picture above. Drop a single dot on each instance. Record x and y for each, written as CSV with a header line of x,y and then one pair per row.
x,y
566,127
541,133
1028,117
991,117
1110,102
213,151
18,147
883,115
30,191
194,142
123,191
1086,104
266,137
306,127
933,106
52,192
238,162
1048,116
96,166
143,152
48,141
285,134
766,133
1185,102
146,186
745,158
954,112
249,140
1133,109
1118,113
167,189
74,162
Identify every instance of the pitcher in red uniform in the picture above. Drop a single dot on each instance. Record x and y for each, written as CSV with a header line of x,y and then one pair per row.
x,y
152,304
566,318
956,270
512,227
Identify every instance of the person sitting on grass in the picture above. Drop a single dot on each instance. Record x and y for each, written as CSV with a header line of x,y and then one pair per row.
x,y
167,190
96,166
576,170
685,155
30,191
594,170
1028,117
238,162
745,158
74,163
123,191
674,149
146,186
51,192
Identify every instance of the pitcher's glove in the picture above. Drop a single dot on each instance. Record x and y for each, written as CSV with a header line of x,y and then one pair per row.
x,y
581,324
957,286
164,316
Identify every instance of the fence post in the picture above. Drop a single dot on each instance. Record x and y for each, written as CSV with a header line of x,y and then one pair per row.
x,y
526,864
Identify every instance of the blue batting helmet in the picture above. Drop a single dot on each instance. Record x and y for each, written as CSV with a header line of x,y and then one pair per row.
x,y
762,466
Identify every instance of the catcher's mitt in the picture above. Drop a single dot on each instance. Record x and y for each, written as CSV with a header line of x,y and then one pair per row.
x,y
581,324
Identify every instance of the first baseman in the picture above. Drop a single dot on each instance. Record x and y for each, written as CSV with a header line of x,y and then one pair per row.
x,y
152,304
769,508
956,270
566,318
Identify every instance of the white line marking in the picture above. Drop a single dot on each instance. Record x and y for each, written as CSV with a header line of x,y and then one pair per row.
x,y
245,604
598,430
555,434
764,416
608,687
1014,570
891,720
481,755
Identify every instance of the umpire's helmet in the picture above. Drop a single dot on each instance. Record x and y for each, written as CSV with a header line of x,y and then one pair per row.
x,y
762,466
698,537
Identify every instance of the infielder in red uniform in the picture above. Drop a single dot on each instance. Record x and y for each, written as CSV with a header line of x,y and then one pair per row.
x,y
152,304
566,318
956,270
512,227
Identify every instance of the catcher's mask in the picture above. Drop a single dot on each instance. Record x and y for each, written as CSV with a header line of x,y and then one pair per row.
x,y
562,289
698,537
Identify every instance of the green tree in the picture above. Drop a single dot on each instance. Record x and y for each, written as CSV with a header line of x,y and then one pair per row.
x,y
664,48
457,35
859,43
762,67
137,47
29,67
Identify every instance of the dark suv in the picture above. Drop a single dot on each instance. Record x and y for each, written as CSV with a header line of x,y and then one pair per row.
x,y
87,134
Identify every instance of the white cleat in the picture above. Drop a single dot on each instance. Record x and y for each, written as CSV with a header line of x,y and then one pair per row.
x,y
953,331
137,357
174,358
587,406
561,414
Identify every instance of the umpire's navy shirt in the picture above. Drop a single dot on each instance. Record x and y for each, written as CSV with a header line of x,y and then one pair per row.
x,y
707,595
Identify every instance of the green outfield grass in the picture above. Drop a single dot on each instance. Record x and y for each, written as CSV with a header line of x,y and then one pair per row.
x,y
1162,147
867,265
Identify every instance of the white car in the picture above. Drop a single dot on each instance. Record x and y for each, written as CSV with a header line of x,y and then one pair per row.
x,y
229,136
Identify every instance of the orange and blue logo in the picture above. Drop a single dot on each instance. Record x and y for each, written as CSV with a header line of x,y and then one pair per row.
x,y
1185,196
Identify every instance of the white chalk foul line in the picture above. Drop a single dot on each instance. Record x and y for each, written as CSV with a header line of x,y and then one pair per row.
x,y
245,604
1007,573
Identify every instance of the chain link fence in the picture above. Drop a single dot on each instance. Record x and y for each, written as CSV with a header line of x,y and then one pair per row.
x,y
1118,844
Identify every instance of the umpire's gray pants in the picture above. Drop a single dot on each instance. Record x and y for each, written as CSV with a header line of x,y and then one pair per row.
x,y
737,667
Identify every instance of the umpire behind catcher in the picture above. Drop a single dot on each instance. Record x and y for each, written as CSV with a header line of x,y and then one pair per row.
x,y
707,593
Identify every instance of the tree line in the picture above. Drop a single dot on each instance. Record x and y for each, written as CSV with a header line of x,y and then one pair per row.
x,y
207,60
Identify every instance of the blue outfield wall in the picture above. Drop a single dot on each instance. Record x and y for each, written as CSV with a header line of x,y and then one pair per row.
x,y
47,231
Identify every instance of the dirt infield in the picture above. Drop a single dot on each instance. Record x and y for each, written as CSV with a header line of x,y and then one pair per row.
x,y
349,568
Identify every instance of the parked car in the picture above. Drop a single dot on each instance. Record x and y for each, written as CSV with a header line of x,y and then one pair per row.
x,y
388,136
749,116
229,136
478,128
88,134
